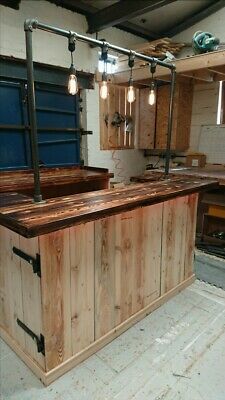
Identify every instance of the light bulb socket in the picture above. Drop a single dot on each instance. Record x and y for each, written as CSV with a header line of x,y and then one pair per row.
x,y
104,55
152,86
104,77
72,43
131,82
131,59
72,70
153,67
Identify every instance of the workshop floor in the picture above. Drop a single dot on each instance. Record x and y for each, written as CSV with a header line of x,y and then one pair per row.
x,y
177,352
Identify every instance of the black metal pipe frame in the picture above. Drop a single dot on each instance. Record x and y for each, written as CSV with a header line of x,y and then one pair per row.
x,y
29,26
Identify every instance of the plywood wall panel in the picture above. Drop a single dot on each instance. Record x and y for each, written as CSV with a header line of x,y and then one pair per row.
x,y
147,117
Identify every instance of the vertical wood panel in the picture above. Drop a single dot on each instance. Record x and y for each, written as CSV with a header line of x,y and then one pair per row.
x,y
147,114
190,233
55,282
82,285
112,136
103,112
31,289
127,265
173,243
104,275
11,306
184,115
152,237
181,116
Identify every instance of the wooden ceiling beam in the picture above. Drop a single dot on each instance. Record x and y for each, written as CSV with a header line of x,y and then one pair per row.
x,y
196,17
89,10
122,11
15,4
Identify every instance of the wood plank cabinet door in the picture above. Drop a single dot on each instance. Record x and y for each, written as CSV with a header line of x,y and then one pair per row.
x,y
181,116
20,293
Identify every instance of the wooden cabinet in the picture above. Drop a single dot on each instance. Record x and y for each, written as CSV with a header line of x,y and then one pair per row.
x,y
114,113
149,123
97,279
115,136
181,116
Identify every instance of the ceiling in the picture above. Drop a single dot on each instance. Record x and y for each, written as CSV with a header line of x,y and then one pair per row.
x,y
148,19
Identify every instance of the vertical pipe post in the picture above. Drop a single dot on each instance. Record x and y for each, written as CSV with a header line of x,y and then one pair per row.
x,y
32,114
170,122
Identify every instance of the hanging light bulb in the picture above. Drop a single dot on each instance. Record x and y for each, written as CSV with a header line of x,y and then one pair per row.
x,y
72,82
104,87
151,96
131,91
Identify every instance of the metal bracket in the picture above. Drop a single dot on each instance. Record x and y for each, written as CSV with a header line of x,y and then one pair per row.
x,y
39,340
83,132
35,262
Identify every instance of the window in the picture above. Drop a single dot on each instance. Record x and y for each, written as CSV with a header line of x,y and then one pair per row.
x,y
57,122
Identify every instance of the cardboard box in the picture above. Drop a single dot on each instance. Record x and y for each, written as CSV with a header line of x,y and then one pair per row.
x,y
197,160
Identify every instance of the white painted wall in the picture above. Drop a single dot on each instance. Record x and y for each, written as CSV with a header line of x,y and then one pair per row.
x,y
205,100
52,49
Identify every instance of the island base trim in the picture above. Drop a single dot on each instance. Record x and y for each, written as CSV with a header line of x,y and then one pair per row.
x,y
51,376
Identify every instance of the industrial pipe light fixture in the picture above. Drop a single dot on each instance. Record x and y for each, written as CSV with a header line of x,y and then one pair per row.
x,y
32,24
104,86
131,91
72,82
151,96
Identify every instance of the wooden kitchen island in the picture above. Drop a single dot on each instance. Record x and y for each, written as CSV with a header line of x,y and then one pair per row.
x,y
79,270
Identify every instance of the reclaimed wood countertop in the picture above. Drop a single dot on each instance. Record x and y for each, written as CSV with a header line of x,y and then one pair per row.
x,y
215,173
21,215
13,181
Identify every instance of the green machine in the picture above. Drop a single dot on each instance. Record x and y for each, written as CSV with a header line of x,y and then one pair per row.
x,y
203,42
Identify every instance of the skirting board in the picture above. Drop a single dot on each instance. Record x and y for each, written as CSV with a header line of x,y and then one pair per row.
x,y
51,376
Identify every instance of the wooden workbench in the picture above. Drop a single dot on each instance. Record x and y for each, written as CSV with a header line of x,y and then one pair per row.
x,y
56,181
213,172
100,262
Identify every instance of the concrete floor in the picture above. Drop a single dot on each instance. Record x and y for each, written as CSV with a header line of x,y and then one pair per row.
x,y
176,353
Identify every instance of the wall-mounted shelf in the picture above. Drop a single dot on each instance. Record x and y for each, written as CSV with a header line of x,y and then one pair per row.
x,y
206,67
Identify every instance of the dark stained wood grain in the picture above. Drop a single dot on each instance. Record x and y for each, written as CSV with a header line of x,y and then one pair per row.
x,y
56,182
29,219
207,173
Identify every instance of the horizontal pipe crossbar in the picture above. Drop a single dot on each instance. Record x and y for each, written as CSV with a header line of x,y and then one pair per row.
x,y
35,24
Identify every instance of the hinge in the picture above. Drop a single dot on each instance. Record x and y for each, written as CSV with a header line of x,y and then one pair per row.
x,y
40,341
35,262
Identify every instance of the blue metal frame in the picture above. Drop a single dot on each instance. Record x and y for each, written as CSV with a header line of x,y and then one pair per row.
x,y
55,109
